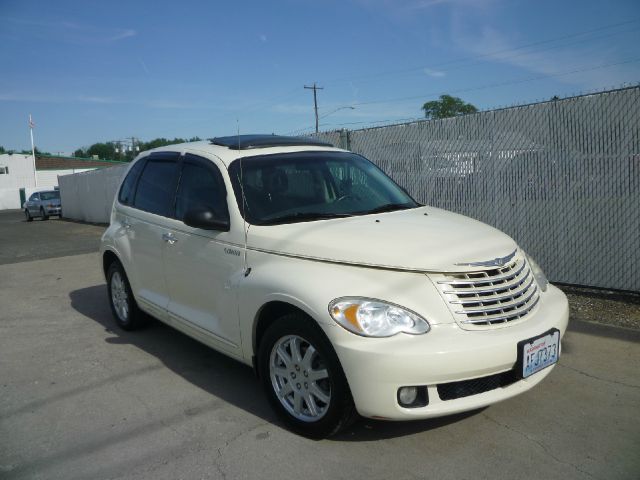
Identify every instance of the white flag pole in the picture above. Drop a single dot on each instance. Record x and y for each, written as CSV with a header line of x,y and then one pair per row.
x,y
33,151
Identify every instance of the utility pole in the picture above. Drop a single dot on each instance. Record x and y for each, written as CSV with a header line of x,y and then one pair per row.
x,y
33,151
315,100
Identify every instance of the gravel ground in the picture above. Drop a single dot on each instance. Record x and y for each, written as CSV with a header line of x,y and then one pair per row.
x,y
603,306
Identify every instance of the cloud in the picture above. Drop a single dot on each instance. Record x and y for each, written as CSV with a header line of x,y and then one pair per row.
x,y
263,38
71,32
555,60
123,34
434,73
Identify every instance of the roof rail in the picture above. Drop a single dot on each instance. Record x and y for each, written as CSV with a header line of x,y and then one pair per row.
x,y
247,142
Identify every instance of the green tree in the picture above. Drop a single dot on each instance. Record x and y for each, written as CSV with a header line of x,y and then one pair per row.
x,y
446,107
104,151
2,150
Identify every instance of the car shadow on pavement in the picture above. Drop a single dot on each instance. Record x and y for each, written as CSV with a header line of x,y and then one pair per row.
x,y
221,376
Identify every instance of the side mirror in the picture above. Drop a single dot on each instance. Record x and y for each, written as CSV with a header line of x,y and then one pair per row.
x,y
206,219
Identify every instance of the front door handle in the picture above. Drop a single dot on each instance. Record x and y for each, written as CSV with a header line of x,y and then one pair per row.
x,y
126,224
169,238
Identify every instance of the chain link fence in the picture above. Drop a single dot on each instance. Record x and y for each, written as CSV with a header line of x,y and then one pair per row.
x,y
560,177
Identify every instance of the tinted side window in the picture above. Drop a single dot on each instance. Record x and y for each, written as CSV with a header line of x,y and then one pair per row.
x,y
157,186
34,197
201,186
127,191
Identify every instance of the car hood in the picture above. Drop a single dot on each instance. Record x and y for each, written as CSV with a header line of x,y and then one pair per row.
x,y
420,239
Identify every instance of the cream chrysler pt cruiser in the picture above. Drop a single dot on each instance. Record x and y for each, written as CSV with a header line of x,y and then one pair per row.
x,y
347,296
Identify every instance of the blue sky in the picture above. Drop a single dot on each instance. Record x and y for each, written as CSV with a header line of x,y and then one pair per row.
x,y
91,71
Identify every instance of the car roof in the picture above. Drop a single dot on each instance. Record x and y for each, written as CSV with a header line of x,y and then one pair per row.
x,y
231,148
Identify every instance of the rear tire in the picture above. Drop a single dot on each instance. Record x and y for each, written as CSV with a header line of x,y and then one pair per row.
x,y
28,216
123,305
43,214
303,378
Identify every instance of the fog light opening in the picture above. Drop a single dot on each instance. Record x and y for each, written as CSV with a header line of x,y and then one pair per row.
x,y
412,397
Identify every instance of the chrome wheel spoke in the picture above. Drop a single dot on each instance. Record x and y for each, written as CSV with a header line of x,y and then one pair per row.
x,y
319,394
281,372
308,357
315,375
284,356
286,390
311,405
294,345
297,403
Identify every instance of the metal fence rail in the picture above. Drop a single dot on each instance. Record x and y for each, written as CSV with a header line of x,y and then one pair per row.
x,y
561,177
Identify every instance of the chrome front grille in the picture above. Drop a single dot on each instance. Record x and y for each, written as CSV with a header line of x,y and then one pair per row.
x,y
490,297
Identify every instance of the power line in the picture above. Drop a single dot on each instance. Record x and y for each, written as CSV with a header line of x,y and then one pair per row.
x,y
483,87
500,84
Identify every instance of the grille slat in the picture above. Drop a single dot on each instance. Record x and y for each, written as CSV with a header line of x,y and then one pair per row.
x,y
488,299
474,281
491,297
500,305
503,318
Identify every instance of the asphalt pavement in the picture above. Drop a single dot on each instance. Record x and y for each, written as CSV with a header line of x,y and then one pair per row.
x,y
81,399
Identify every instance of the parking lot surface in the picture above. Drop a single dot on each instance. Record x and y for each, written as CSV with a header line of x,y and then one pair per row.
x,y
21,240
81,399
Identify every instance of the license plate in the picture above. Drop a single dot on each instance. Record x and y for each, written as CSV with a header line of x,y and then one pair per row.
x,y
538,353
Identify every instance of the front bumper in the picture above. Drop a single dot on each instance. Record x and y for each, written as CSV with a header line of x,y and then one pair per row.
x,y
53,210
376,368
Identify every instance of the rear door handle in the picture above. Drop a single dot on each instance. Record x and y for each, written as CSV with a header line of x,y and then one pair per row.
x,y
169,238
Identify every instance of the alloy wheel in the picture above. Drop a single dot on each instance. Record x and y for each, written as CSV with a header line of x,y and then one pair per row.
x,y
300,378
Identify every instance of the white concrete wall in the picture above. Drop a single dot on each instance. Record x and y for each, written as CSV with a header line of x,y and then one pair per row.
x,y
88,196
9,198
20,171
50,177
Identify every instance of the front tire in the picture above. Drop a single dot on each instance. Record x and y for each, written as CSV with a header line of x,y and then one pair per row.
x,y
28,216
123,306
303,379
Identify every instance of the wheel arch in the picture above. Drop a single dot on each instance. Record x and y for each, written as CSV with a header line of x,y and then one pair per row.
x,y
108,257
269,313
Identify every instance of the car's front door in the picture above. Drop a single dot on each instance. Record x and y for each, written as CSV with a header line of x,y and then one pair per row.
x,y
202,267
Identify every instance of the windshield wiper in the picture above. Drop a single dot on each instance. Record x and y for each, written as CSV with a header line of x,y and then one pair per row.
x,y
388,207
303,217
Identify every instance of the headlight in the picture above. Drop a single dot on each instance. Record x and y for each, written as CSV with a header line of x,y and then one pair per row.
x,y
374,318
538,274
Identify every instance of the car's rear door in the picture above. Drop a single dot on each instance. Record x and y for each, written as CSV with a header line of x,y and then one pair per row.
x,y
33,204
145,224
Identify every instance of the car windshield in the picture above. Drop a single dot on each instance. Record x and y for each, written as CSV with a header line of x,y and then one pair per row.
x,y
49,195
307,186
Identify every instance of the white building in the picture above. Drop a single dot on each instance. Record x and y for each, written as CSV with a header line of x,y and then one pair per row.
x,y
17,180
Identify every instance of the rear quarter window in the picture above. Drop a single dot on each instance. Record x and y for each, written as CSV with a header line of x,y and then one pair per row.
x,y
127,190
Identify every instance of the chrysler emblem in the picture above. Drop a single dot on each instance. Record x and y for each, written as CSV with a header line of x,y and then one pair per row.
x,y
496,262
